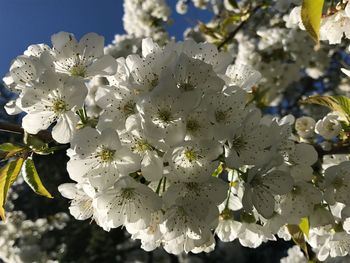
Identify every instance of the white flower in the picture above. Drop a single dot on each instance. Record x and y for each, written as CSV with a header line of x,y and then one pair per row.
x,y
283,5
305,126
128,202
181,7
144,18
187,224
150,237
82,197
329,126
228,229
252,235
299,202
294,256
294,18
250,143
338,245
193,161
100,158
150,151
53,98
163,117
337,183
243,76
335,26
84,59
214,189
261,187
225,110
300,157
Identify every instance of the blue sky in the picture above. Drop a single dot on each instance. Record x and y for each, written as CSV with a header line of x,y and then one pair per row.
x,y
26,22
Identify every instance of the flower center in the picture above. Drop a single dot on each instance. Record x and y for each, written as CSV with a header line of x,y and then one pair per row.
x,y
220,116
78,71
296,190
127,193
185,86
129,108
238,143
164,115
193,187
142,146
226,214
192,125
59,106
106,155
191,155
337,183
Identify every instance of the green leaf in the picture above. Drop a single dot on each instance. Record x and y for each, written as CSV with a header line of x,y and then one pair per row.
x,y
218,170
9,147
298,237
335,103
37,145
8,150
31,177
233,3
8,175
304,226
311,14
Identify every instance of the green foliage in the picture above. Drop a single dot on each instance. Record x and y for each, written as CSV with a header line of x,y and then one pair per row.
x,y
335,103
298,237
8,175
31,177
304,226
311,13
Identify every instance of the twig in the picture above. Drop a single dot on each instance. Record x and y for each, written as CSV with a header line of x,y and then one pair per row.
x,y
343,149
238,28
13,128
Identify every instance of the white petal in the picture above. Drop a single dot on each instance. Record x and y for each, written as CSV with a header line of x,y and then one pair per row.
x,y
65,44
12,108
91,45
68,190
104,66
37,121
263,202
65,127
346,71
152,166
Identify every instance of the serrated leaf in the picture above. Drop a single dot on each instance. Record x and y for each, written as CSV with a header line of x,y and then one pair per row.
x,y
304,226
8,175
311,14
335,103
298,237
31,177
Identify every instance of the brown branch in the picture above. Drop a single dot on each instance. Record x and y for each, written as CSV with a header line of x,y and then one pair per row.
x,y
341,149
239,27
13,128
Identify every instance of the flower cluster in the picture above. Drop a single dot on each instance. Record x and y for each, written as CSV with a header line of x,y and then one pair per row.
x,y
334,26
167,140
173,122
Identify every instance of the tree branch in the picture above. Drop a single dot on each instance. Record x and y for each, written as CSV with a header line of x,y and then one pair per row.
x,y
13,128
238,28
341,149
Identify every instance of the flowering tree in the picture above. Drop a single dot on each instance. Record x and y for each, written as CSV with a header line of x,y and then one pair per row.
x,y
224,134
